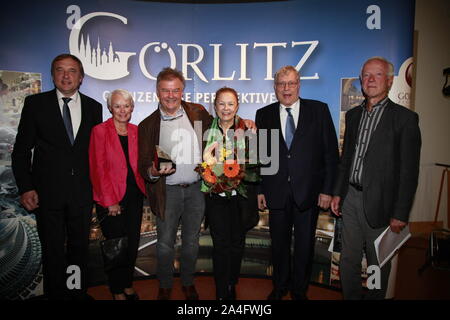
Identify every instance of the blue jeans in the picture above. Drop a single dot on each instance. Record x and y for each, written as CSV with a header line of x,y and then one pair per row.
x,y
185,205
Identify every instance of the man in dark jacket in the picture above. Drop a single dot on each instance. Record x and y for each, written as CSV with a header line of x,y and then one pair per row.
x,y
53,179
308,156
377,175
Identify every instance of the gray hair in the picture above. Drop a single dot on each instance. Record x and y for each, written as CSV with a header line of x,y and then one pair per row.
x,y
389,64
286,70
124,93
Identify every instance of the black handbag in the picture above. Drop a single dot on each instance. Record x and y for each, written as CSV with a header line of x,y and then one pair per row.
x,y
115,253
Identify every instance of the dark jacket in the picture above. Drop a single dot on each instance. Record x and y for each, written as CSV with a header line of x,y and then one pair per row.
x,y
390,167
309,166
58,169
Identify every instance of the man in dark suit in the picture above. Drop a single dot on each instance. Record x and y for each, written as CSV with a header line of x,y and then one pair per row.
x,y
308,157
51,167
377,176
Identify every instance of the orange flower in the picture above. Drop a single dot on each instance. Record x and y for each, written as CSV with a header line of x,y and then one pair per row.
x,y
231,168
209,176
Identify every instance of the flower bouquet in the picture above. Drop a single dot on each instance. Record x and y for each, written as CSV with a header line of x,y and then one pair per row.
x,y
225,162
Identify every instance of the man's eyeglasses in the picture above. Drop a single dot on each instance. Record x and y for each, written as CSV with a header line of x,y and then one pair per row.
x,y
290,84
167,91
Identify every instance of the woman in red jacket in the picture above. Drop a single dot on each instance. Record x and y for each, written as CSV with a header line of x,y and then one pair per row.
x,y
118,187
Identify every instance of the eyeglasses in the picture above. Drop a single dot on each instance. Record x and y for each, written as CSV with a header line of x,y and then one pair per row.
x,y
290,84
167,91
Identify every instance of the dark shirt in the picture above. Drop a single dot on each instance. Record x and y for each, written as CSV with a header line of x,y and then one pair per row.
x,y
131,180
367,125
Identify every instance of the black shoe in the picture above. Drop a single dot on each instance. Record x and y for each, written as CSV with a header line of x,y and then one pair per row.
x,y
190,292
83,297
133,296
277,294
231,294
164,293
298,296
116,294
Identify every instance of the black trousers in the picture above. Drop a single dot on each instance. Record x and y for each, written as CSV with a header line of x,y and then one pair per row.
x,y
64,236
292,273
128,223
228,235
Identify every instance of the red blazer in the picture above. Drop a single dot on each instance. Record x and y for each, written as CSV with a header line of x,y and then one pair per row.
x,y
108,166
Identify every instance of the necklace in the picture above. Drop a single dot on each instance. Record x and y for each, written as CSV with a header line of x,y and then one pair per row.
x,y
122,132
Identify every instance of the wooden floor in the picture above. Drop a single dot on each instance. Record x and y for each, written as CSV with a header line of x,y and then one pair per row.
x,y
247,289
432,284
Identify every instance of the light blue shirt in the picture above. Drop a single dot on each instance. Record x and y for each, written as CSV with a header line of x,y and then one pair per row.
x,y
178,139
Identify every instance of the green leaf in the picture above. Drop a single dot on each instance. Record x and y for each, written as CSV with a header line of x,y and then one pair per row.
x,y
218,169
242,190
252,176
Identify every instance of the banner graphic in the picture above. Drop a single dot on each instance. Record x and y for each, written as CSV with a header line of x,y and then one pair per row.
x,y
125,44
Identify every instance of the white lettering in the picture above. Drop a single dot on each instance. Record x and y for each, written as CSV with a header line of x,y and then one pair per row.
x,y
74,280
403,95
188,310
142,54
374,280
102,61
312,47
105,95
217,64
97,63
182,155
243,61
187,96
373,21
269,158
72,19
193,65
269,61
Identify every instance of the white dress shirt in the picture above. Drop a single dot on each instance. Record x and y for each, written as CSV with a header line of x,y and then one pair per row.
x,y
295,110
74,108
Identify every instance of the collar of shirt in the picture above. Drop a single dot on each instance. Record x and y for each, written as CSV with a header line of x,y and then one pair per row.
x,y
74,109
295,110
295,107
167,117
232,126
380,104
75,98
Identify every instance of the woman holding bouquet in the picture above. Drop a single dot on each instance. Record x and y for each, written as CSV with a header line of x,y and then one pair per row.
x,y
230,174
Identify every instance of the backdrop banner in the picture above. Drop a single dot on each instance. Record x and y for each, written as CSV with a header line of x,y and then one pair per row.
x,y
124,44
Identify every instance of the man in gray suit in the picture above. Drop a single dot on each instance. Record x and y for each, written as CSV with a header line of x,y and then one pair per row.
x,y
377,175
